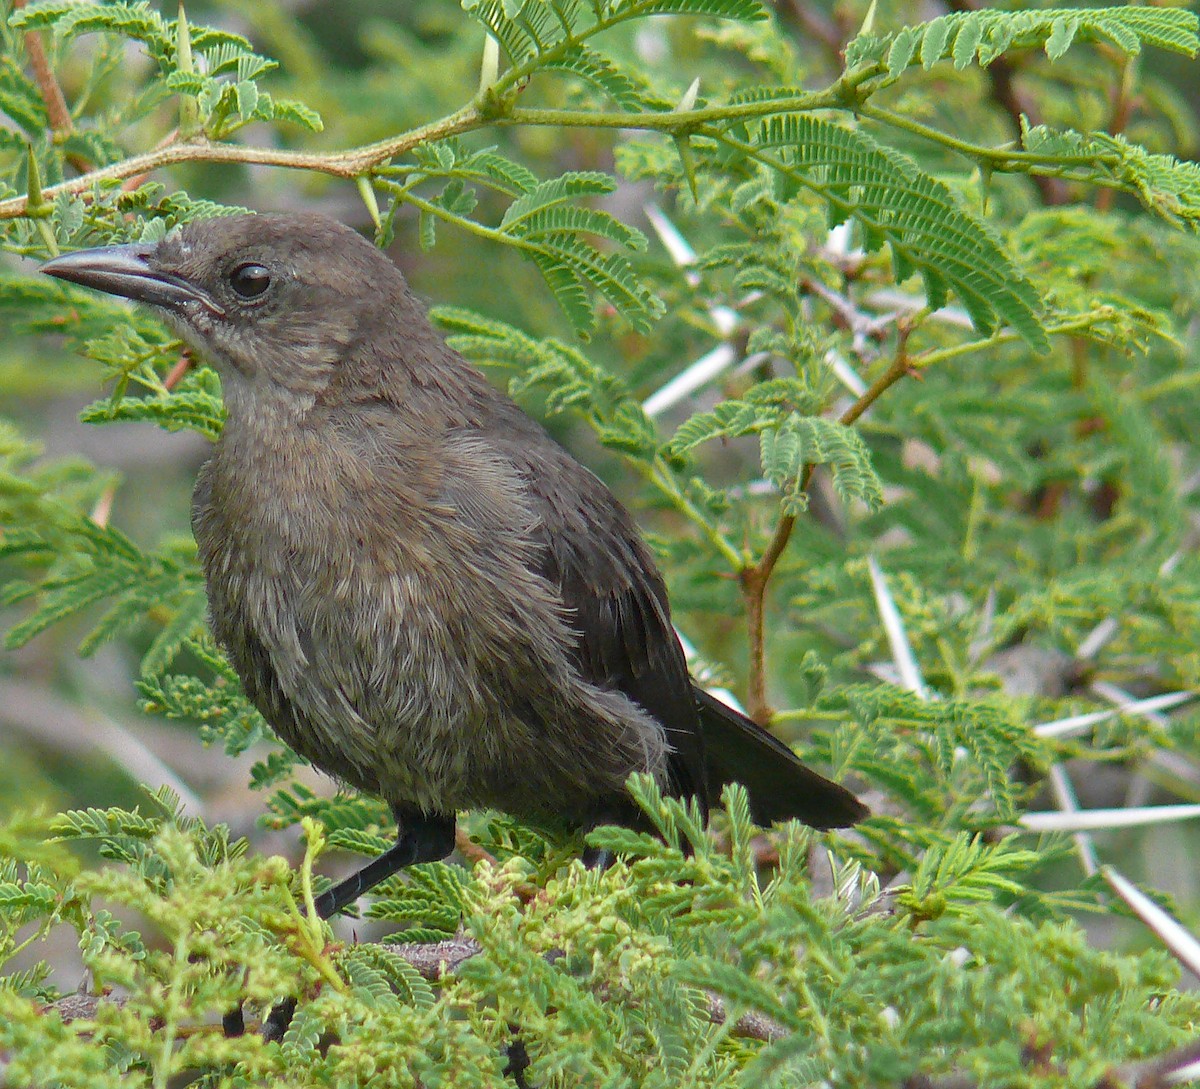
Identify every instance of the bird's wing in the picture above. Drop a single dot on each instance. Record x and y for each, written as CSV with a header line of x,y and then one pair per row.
x,y
591,550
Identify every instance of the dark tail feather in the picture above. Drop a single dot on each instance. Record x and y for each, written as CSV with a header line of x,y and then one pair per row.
x,y
738,750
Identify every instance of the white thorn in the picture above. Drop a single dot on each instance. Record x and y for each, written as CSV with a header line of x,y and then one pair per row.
x,y
1064,794
1093,820
689,97
700,373
1078,724
1181,942
893,624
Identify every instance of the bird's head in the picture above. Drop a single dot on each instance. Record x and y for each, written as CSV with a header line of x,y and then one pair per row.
x,y
276,302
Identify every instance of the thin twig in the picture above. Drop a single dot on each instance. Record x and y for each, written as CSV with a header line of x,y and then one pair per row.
x,y
52,95
754,581
1123,102
354,162
755,577
898,369
176,373
341,164
470,850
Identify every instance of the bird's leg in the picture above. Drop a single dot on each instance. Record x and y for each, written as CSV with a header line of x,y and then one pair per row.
x,y
419,838
518,1061
599,858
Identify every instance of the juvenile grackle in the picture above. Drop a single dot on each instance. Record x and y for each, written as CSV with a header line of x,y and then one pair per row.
x,y
422,592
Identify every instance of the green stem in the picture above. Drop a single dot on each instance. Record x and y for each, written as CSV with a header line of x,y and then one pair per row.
x,y
671,122
1005,336
661,477
341,164
353,162
472,226
979,152
162,1068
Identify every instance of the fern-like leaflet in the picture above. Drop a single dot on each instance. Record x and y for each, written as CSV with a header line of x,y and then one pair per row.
x,y
982,36
896,203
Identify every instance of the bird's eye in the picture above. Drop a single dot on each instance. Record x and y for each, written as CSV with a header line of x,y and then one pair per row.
x,y
250,280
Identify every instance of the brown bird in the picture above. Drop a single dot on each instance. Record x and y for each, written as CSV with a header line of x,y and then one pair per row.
x,y
422,592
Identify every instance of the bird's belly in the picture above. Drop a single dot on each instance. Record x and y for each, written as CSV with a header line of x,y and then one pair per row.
x,y
382,687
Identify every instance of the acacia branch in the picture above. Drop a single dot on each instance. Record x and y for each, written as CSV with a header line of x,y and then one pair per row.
x,y
355,162
754,579
342,164
1001,74
52,95
437,960
483,111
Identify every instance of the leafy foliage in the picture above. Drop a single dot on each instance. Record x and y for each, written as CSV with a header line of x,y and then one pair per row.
x,y
616,981
980,37
915,215
542,223
96,563
539,32
1166,186
225,89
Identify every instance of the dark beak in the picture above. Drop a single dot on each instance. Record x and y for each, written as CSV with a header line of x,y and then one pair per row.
x,y
126,270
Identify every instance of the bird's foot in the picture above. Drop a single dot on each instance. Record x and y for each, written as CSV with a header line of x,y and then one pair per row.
x,y
273,1027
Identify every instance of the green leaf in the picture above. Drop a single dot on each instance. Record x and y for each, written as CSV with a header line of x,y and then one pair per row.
x,y
20,99
554,192
1167,187
569,377
896,203
982,36
194,405
138,21
809,440
766,405
964,871
601,73
187,622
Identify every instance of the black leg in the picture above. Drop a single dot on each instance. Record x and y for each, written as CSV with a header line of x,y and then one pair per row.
x,y
233,1023
278,1020
597,858
419,838
518,1061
